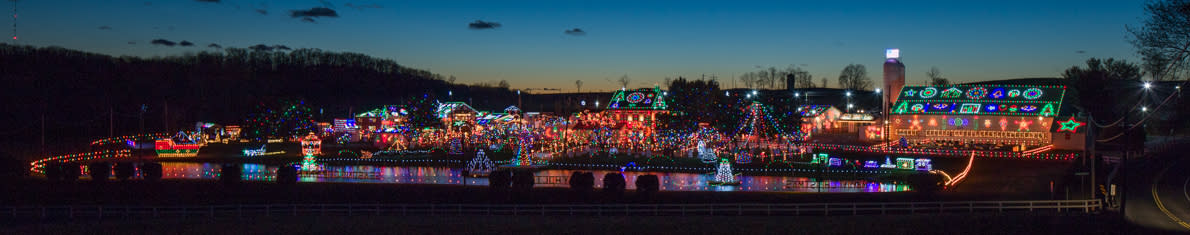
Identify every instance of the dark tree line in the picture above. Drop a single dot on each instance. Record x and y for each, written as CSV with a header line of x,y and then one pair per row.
x,y
80,93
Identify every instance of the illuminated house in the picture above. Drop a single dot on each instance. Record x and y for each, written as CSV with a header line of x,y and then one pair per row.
x,y
383,119
636,109
456,115
818,118
1003,115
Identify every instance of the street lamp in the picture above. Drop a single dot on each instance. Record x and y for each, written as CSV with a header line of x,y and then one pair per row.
x,y
1144,109
877,90
848,93
1148,85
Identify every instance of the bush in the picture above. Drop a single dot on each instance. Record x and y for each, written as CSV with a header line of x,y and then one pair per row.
x,y
125,170
231,173
287,174
613,183
647,184
582,182
500,180
100,171
71,171
522,180
151,171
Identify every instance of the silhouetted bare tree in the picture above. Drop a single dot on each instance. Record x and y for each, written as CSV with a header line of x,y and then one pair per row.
x,y
1163,40
854,77
936,78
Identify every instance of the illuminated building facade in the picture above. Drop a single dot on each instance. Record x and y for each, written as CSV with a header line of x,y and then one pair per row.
x,y
636,109
1016,117
818,118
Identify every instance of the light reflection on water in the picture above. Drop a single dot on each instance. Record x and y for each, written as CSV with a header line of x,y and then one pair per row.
x,y
670,181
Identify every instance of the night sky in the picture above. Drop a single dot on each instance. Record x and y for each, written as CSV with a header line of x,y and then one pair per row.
x,y
536,45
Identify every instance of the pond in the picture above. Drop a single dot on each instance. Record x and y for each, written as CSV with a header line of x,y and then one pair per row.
x,y
670,181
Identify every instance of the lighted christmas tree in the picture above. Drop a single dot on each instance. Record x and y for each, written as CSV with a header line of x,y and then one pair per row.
x,y
480,164
724,175
309,164
522,156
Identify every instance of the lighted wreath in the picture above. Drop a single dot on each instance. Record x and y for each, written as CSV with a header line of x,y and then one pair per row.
x,y
1032,93
929,92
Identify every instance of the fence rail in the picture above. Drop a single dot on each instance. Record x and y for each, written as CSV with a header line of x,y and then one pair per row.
x,y
239,210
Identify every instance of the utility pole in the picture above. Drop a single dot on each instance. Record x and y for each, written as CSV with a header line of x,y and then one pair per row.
x,y
1091,147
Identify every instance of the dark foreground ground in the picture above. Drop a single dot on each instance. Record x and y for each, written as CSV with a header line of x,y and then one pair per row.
x,y
882,224
203,192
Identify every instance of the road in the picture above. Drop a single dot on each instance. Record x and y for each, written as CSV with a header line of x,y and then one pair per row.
x,y
1159,195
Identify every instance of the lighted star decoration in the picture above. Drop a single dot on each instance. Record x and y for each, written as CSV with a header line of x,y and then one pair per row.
x,y
1070,125
910,92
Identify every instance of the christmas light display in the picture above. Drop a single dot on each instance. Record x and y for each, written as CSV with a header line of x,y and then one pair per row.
x,y
456,146
262,151
923,164
706,154
983,117
905,163
888,164
480,165
311,145
181,145
309,164
38,166
125,140
724,175
962,175
1014,103
284,119
1070,125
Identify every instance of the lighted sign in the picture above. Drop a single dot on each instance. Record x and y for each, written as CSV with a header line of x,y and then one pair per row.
x,y
892,53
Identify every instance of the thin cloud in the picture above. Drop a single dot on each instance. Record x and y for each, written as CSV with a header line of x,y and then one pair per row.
x,y
216,46
326,4
131,42
185,43
576,32
1080,52
262,11
314,12
479,24
307,19
163,42
105,27
281,47
214,1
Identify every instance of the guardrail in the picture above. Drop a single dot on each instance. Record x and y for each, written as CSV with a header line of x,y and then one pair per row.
x,y
239,210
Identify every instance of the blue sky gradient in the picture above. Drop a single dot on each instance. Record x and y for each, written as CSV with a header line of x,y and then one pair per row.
x,y
966,40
